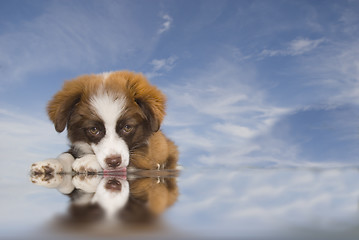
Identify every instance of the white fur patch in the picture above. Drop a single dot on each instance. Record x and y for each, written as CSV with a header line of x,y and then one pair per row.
x,y
66,159
105,75
82,147
109,108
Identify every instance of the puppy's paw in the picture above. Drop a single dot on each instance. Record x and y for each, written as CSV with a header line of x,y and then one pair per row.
x,y
47,167
87,183
87,165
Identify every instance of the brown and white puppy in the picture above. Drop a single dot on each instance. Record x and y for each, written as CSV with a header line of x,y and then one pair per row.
x,y
113,121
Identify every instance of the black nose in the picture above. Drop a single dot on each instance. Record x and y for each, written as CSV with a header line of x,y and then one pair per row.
x,y
113,161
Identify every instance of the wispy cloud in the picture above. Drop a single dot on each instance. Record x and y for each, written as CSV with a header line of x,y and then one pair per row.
x,y
331,73
339,69
296,47
160,66
163,64
228,109
222,106
71,37
25,139
166,25
268,197
235,130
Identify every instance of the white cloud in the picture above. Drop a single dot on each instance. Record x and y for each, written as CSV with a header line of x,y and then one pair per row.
x,y
166,25
300,46
296,47
236,130
163,64
159,66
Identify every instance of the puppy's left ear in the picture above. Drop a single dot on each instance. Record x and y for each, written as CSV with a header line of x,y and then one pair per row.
x,y
149,98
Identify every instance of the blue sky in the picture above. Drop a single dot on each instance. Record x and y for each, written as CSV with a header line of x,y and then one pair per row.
x,y
248,82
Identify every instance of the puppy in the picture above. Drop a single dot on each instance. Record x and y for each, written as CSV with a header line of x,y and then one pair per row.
x,y
113,122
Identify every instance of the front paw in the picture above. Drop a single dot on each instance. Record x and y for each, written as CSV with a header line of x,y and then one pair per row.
x,y
87,165
47,167
87,183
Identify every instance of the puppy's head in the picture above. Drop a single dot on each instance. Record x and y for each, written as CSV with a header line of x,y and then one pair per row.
x,y
108,114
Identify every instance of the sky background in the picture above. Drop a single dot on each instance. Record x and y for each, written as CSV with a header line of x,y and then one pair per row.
x,y
248,82
250,85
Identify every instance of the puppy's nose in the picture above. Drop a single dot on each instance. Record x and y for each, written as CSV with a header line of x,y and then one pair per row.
x,y
113,161
113,184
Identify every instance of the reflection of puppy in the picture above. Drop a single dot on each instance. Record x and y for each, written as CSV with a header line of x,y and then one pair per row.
x,y
113,120
94,197
150,197
89,194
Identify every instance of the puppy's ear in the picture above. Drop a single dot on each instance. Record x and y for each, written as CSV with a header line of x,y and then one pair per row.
x,y
149,98
154,121
62,104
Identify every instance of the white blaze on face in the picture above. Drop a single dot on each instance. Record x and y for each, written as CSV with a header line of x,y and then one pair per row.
x,y
105,75
109,108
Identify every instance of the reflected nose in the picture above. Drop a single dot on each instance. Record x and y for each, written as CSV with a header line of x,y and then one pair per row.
x,y
113,161
113,184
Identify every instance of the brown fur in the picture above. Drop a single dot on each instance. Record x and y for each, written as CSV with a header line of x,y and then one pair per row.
x,y
145,105
162,151
156,197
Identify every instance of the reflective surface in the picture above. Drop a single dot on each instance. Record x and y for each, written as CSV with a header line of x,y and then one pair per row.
x,y
115,204
258,203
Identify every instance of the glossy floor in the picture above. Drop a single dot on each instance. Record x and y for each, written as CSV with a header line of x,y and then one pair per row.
x,y
254,203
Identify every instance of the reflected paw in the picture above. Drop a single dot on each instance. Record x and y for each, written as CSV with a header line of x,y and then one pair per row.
x,y
47,180
87,183
86,165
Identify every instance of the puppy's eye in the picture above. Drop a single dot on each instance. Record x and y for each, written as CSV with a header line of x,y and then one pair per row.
x,y
127,128
94,131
